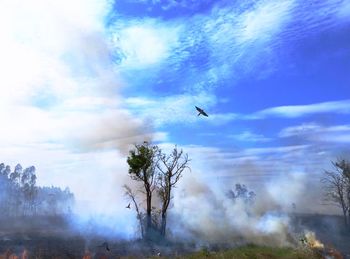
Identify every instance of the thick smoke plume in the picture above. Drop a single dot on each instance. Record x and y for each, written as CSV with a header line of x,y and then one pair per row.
x,y
61,106
208,215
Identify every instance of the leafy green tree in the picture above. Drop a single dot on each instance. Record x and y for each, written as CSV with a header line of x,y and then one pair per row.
x,y
2,168
142,161
16,197
7,171
28,181
15,176
156,171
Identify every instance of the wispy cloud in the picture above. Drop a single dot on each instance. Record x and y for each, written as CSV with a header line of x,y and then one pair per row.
x,y
173,109
198,53
143,43
344,10
181,106
224,159
264,20
227,41
249,137
318,133
294,111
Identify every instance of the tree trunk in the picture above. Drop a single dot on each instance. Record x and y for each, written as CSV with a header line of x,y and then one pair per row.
x,y
163,226
149,214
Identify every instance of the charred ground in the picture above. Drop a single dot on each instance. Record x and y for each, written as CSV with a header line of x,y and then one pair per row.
x,y
53,237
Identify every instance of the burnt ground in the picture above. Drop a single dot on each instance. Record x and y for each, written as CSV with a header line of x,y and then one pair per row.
x,y
43,246
329,229
45,237
51,237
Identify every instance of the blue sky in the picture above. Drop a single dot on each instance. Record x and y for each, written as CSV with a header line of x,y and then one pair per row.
x,y
82,81
234,60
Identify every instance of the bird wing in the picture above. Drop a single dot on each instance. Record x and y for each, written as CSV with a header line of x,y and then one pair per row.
x,y
203,112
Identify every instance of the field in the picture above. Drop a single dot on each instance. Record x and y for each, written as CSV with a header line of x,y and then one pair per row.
x,y
258,252
51,237
76,248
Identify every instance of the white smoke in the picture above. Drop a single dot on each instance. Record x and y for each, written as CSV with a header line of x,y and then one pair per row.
x,y
207,215
60,103
203,212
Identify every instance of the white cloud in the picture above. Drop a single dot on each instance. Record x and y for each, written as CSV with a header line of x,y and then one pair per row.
x,y
60,105
215,160
294,111
139,102
144,43
250,137
318,133
93,102
288,111
180,107
38,35
264,20
172,109
343,10
274,150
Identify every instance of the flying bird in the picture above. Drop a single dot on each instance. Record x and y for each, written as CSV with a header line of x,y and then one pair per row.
x,y
105,245
128,207
201,112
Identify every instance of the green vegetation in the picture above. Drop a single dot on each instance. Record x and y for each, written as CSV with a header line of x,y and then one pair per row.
x,y
258,252
253,252
158,172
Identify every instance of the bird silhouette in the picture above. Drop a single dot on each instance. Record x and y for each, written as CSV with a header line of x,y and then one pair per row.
x,y
105,245
128,207
201,111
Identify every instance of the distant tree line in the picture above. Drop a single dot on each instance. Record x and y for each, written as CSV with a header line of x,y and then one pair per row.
x,y
337,187
20,196
241,193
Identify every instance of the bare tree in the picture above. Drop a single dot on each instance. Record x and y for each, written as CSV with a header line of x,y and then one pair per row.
x,y
337,187
344,167
170,171
132,196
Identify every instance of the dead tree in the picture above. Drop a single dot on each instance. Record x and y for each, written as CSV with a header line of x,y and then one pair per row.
x,y
344,167
337,188
170,171
132,196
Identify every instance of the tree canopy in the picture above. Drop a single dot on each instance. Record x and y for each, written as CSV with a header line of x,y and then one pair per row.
x,y
158,171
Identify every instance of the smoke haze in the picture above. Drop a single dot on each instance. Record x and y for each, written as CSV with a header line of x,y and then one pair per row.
x,y
63,109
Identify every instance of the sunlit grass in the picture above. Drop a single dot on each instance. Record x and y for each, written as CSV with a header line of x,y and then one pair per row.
x,y
254,252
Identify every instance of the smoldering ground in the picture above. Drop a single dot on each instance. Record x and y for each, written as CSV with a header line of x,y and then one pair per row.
x,y
201,214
